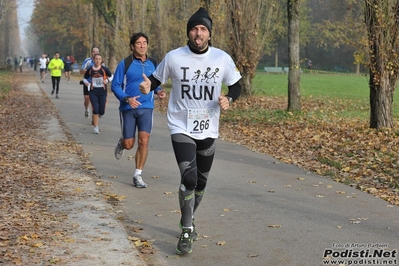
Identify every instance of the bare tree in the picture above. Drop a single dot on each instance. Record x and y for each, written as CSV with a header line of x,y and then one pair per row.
x,y
112,14
251,22
4,30
7,6
206,4
10,42
381,18
294,93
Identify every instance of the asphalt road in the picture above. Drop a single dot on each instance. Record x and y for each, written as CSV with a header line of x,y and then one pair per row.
x,y
256,210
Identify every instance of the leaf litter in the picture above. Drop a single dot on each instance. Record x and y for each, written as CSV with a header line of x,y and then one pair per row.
x,y
320,140
36,179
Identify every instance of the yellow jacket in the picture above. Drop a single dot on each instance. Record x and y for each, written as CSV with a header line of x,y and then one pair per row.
x,y
56,66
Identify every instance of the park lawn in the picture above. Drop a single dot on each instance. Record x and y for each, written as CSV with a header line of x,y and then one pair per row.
x,y
5,83
350,93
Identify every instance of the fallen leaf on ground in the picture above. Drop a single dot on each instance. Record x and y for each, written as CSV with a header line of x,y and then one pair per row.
x,y
274,225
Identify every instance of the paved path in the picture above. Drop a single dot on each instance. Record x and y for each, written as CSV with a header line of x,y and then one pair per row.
x,y
256,210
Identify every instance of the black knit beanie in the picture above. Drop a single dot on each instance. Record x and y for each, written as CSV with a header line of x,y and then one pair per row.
x,y
201,17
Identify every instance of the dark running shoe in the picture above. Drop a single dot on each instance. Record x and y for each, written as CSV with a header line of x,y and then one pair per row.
x,y
185,240
194,233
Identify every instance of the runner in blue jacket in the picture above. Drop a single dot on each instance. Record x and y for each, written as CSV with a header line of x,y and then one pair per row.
x,y
136,108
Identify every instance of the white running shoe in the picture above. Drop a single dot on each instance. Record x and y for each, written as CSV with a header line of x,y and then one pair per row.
x,y
96,130
118,152
138,182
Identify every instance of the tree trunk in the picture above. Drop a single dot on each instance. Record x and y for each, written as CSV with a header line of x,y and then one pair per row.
x,y
111,54
246,85
381,19
381,97
10,42
206,4
294,94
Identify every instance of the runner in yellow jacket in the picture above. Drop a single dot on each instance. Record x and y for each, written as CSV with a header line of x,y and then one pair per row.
x,y
56,66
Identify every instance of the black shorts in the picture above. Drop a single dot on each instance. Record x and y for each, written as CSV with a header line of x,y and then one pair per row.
x,y
85,90
42,70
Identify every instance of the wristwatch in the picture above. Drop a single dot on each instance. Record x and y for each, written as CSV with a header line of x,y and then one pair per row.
x,y
230,100
126,99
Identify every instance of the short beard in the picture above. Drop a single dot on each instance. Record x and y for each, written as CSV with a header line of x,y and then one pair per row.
x,y
198,48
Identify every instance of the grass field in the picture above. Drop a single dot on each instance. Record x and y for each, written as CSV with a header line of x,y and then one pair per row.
x,y
317,85
351,90
5,83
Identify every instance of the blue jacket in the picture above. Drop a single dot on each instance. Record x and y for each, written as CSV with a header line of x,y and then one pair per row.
x,y
129,85
88,62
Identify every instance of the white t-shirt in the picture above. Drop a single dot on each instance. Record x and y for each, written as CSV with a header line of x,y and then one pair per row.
x,y
197,79
42,62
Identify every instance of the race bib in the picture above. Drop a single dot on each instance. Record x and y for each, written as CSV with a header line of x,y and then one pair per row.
x,y
98,82
199,120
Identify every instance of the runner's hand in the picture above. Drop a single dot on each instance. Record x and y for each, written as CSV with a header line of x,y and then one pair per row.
x,y
161,94
133,102
224,102
145,86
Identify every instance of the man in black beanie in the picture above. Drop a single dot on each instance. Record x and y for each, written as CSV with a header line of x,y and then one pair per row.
x,y
201,17
197,71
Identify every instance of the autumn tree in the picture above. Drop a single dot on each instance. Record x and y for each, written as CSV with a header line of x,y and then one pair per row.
x,y
107,28
10,40
64,35
338,30
6,7
294,94
381,18
251,23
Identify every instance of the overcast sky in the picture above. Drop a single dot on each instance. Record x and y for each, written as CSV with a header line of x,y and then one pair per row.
x,y
25,9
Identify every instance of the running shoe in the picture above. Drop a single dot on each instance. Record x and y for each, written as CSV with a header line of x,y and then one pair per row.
x,y
118,152
87,115
96,130
52,92
138,182
56,96
194,234
185,240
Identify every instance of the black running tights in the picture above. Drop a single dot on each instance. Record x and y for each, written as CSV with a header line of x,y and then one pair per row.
x,y
194,158
56,83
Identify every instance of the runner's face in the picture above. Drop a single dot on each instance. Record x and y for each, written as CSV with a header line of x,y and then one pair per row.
x,y
140,47
97,60
94,52
198,37
57,55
